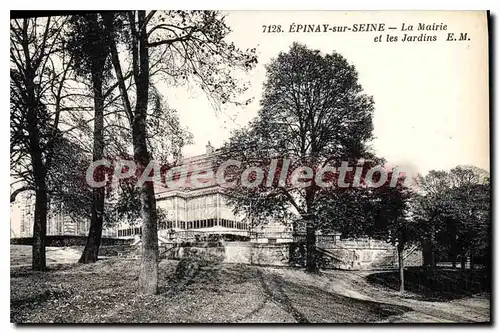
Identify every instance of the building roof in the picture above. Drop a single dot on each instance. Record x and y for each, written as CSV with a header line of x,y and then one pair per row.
x,y
182,174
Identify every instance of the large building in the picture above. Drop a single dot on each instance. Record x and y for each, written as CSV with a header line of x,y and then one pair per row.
x,y
192,208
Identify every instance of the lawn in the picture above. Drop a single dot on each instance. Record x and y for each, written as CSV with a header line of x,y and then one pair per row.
x,y
202,292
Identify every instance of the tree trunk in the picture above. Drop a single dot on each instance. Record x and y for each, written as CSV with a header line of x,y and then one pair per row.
x,y
148,278
463,261
454,249
91,250
427,253
40,223
311,266
433,248
487,258
40,228
401,266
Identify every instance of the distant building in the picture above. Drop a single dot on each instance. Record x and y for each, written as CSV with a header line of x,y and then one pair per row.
x,y
25,203
58,223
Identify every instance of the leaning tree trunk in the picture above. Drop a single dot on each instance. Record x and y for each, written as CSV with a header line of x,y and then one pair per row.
x,y
91,250
401,265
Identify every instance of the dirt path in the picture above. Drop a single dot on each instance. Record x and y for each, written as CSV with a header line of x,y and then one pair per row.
x,y
471,309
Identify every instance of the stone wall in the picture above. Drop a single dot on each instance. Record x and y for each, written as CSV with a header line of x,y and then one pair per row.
x,y
361,258
69,240
236,252
292,254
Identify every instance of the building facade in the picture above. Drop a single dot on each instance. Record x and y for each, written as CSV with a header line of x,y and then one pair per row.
x,y
58,223
189,206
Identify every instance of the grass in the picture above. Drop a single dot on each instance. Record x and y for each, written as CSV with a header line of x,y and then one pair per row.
x,y
439,285
198,292
106,292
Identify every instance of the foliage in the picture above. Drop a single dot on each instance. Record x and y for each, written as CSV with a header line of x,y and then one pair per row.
x,y
88,42
38,79
454,210
313,112
191,47
69,192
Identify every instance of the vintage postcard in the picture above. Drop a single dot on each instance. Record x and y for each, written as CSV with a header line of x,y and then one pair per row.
x,y
171,166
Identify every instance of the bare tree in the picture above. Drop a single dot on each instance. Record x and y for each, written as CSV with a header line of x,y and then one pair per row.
x,y
39,71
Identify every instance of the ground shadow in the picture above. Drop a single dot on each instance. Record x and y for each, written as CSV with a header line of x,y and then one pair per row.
x,y
438,285
304,303
308,303
209,275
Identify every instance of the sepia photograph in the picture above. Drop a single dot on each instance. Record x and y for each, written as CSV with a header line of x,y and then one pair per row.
x,y
204,166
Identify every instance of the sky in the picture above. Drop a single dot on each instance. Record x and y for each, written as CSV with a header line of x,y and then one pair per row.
x,y
431,98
